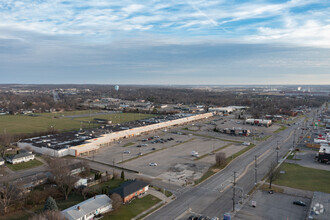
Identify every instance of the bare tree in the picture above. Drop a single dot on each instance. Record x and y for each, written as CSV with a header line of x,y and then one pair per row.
x,y
61,175
85,191
220,158
49,215
116,201
9,194
5,143
272,173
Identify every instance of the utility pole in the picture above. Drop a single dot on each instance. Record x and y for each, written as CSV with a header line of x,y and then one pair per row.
x,y
277,149
113,165
255,170
234,184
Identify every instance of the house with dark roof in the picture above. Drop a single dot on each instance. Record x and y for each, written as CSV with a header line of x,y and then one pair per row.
x,y
20,158
131,189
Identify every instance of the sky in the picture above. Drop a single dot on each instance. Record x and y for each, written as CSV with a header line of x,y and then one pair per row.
x,y
200,42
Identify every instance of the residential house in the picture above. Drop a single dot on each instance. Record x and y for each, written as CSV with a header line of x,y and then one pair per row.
x,y
89,208
131,189
20,158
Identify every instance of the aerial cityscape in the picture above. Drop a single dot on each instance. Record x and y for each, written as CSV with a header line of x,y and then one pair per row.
x,y
154,110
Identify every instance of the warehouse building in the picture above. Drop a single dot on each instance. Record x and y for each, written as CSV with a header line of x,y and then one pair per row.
x,y
86,142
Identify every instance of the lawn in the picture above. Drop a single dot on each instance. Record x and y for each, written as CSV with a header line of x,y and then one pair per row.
x,y
111,184
130,210
299,177
16,124
26,165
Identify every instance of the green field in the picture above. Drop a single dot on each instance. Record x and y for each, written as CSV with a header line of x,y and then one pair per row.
x,y
299,177
23,166
16,124
130,210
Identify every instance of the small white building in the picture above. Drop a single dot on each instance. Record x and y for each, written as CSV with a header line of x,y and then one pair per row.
x,y
2,161
89,208
20,158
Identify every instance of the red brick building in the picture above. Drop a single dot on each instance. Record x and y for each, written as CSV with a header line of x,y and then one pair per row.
x,y
131,189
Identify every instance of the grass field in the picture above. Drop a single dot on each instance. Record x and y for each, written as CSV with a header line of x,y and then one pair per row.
x,y
26,165
16,124
304,178
129,211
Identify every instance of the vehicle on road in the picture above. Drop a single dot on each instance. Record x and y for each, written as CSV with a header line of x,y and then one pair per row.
x,y
140,154
300,203
152,164
127,152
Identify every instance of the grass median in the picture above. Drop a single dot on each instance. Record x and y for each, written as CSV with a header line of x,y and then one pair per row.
x,y
216,168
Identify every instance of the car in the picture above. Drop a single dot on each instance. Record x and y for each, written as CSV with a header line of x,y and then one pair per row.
x,y
156,137
138,145
300,203
271,192
152,164
127,152
144,145
140,154
153,148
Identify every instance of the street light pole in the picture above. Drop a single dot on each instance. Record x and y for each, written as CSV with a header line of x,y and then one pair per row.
x,y
234,184
277,149
255,170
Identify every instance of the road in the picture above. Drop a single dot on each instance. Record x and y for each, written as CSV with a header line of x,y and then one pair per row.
x,y
214,196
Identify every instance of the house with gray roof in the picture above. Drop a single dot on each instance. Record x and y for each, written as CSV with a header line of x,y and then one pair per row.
x,y
20,158
89,208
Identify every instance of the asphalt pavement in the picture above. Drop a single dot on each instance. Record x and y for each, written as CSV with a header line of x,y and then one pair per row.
x,y
213,197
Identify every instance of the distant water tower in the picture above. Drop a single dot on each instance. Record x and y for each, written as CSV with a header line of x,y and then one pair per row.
x,y
116,87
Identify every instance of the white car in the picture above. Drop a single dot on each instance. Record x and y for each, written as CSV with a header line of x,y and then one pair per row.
x,y
152,164
127,152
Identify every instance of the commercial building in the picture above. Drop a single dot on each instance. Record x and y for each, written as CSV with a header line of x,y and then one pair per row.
x,y
259,122
131,189
20,158
89,208
86,142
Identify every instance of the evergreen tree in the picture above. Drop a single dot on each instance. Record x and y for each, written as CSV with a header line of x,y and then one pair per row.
x,y
122,175
50,204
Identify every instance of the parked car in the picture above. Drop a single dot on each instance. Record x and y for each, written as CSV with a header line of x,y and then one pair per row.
x,y
153,148
127,152
138,145
300,203
153,164
140,154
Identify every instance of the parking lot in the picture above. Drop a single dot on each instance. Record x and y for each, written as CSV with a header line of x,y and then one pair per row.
x,y
167,154
273,207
